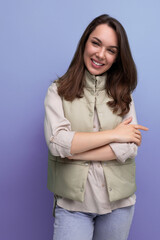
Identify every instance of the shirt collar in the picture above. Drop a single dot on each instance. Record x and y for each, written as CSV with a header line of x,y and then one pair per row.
x,y
95,82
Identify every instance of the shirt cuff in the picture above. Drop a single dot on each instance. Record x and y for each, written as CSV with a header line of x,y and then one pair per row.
x,y
60,144
123,151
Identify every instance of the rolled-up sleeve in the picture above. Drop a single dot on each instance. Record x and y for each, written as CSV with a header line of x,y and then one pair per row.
x,y
123,151
57,128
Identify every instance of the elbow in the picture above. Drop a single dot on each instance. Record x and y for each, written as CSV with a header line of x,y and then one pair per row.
x,y
134,150
129,154
58,151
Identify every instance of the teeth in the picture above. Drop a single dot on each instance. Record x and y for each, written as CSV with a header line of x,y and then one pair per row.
x,y
98,64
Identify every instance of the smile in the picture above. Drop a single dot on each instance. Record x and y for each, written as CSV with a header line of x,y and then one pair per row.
x,y
96,63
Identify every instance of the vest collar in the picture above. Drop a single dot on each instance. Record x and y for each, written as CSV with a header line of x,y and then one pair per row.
x,y
93,82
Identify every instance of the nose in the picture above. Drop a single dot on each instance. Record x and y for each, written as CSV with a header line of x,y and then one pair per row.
x,y
101,53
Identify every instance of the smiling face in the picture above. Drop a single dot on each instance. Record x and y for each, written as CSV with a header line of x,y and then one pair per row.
x,y
101,49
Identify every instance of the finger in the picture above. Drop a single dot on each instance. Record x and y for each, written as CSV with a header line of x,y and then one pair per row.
x,y
137,131
139,143
141,127
127,121
136,141
138,136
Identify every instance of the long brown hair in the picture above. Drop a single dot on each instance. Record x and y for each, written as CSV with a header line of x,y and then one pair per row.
x,y
121,77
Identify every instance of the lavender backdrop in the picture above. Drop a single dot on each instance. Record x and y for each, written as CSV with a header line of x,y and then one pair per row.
x,y
37,41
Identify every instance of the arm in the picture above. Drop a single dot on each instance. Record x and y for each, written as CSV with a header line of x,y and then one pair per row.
x,y
104,153
57,128
60,140
123,151
63,142
116,150
123,133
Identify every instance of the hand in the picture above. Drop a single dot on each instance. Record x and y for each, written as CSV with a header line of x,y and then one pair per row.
x,y
126,132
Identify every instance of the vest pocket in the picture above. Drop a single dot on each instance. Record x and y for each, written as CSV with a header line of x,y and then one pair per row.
x,y
67,180
120,179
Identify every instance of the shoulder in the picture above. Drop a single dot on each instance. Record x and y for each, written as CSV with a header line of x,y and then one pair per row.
x,y
53,88
132,105
131,113
52,93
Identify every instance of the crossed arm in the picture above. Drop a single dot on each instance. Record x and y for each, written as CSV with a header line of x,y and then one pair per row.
x,y
95,146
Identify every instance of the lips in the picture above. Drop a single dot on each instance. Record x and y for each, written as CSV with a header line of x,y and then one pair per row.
x,y
96,63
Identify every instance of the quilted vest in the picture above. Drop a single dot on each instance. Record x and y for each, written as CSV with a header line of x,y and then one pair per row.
x,y
67,178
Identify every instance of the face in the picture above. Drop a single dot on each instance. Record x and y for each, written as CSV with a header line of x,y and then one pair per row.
x,y
101,49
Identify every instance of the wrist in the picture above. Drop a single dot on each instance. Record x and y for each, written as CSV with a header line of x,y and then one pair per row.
x,y
110,134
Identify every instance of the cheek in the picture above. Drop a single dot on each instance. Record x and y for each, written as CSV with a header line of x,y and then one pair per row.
x,y
87,55
89,49
111,59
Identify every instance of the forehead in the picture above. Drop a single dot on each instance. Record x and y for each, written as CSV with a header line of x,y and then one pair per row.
x,y
105,34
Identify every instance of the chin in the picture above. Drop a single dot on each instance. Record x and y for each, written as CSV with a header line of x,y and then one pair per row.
x,y
95,72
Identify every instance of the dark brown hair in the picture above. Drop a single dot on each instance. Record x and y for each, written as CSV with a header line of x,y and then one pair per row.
x,y
121,77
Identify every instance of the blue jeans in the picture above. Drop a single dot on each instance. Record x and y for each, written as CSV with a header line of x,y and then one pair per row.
x,y
70,225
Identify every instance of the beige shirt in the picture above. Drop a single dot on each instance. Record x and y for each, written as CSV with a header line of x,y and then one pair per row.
x,y
59,136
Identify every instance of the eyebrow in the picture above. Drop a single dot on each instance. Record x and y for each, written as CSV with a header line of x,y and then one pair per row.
x,y
101,43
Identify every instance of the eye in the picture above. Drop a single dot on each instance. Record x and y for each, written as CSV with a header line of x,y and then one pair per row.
x,y
112,51
95,43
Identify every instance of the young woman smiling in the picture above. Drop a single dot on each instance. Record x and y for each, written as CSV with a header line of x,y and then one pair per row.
x,y
92,135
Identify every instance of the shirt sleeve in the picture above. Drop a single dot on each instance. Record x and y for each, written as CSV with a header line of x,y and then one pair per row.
x,y
123,151
57,128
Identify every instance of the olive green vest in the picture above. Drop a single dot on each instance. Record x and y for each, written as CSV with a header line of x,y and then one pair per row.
x,y
67,178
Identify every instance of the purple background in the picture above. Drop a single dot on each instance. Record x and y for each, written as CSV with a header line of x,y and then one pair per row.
x,y
38,39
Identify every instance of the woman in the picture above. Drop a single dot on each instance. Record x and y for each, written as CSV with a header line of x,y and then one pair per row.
x,y
92,136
